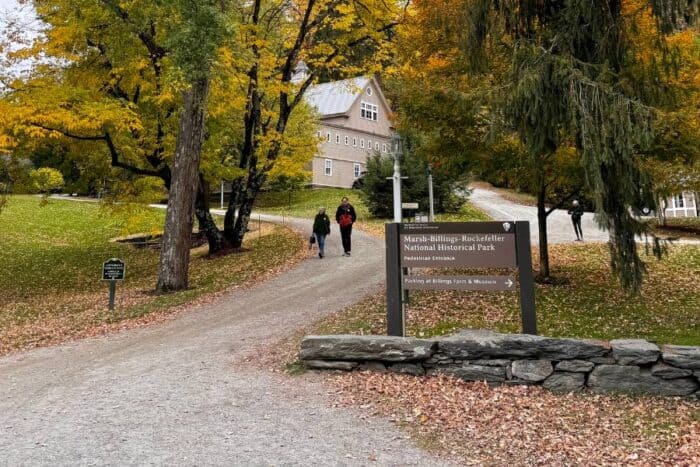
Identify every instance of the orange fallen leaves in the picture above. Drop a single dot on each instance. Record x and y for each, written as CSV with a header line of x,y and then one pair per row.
x,y
521,425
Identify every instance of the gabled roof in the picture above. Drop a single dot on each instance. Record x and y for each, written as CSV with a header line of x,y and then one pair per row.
x,y
336,97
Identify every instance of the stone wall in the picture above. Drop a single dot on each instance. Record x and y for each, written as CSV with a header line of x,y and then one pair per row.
x,y
625,365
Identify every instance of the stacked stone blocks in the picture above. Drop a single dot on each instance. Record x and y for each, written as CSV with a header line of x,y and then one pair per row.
x,y
563,365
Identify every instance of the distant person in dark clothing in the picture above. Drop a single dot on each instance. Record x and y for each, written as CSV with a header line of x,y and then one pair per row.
x,y
322,228
576,213
345,217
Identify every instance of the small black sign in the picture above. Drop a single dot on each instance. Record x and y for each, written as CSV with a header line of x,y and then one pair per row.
x,y
113,270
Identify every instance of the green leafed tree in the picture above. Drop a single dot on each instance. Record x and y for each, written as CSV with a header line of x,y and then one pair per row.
x,y
46,180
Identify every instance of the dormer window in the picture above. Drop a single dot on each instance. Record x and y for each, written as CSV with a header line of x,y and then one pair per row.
x,y
369,111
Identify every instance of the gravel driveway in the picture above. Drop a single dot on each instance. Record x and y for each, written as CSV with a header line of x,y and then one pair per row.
x,y
180,393
559,226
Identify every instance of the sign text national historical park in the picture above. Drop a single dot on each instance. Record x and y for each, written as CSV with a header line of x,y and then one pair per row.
x,y
439,246
415,247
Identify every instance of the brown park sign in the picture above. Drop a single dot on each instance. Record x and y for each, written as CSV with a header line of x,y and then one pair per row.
x,y
414,282
459,244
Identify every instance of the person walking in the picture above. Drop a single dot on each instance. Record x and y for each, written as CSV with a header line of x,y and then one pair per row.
x,y
345,216
322,228
576,213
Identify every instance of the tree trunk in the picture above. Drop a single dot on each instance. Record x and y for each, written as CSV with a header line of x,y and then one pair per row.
x,y
215,238
245,207
175,249
542,229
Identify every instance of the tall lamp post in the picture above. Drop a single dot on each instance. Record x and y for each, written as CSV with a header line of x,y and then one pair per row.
x,y
396,151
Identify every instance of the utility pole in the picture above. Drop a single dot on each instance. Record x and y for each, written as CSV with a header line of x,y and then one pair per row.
x,y
396,149
430,193
222,194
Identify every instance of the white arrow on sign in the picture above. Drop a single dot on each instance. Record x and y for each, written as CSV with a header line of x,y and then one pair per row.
x,y
509,283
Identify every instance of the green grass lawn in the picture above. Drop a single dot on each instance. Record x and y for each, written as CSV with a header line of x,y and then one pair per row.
x,y
51,259
305,203
590,304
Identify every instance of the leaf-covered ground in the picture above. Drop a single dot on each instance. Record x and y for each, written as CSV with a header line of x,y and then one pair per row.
x,y
589,304
51,259
477,424
526,425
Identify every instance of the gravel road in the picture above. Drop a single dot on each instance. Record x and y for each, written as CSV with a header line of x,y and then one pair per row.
x,y
560,229
179,393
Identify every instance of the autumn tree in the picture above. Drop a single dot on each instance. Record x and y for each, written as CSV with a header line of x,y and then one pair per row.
x,y
564,74
275,37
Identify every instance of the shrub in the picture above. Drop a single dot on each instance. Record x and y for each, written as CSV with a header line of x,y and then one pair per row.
x,y
377,191
45,180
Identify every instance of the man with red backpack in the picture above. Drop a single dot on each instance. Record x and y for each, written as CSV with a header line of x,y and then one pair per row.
x,y
345,217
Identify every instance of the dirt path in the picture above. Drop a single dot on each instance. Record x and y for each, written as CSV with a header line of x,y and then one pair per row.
x,y
181,393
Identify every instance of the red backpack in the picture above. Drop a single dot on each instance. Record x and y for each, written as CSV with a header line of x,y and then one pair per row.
x,y
345,220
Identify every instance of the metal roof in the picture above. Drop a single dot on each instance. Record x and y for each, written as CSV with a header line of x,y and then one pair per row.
x,y
335,97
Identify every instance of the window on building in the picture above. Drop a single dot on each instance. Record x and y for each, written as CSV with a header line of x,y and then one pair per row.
x,y
369,144
347,140
679,201
376,146
369,111
356,170
328,136
328,169
369,91
337,138
319,133
362,143
354,142
384,147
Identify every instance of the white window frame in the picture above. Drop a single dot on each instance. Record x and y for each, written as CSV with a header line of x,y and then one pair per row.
x,y
328,136
362,143
337,138
356,169
354,141
347,140
679,201
376,146
369,111
369,91
369,144
328,167
384,147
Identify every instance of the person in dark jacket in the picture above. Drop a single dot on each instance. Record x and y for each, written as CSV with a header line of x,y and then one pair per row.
x,y
345,216
322,228
576,213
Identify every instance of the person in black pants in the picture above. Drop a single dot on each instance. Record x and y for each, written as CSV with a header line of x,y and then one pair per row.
x,y
345,217
576,213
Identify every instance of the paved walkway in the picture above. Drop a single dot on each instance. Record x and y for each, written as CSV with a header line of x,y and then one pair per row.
x,y
180,393
560,229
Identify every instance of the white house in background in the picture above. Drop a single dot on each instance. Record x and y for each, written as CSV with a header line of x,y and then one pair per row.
x,y
681,205
354,123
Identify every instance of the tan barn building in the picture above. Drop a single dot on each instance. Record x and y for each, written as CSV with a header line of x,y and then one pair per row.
x,y
355,122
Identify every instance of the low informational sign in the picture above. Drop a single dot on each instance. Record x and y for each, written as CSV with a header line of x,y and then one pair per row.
x,y
411,247
409,205
113,270
457,245
416,282
421,217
